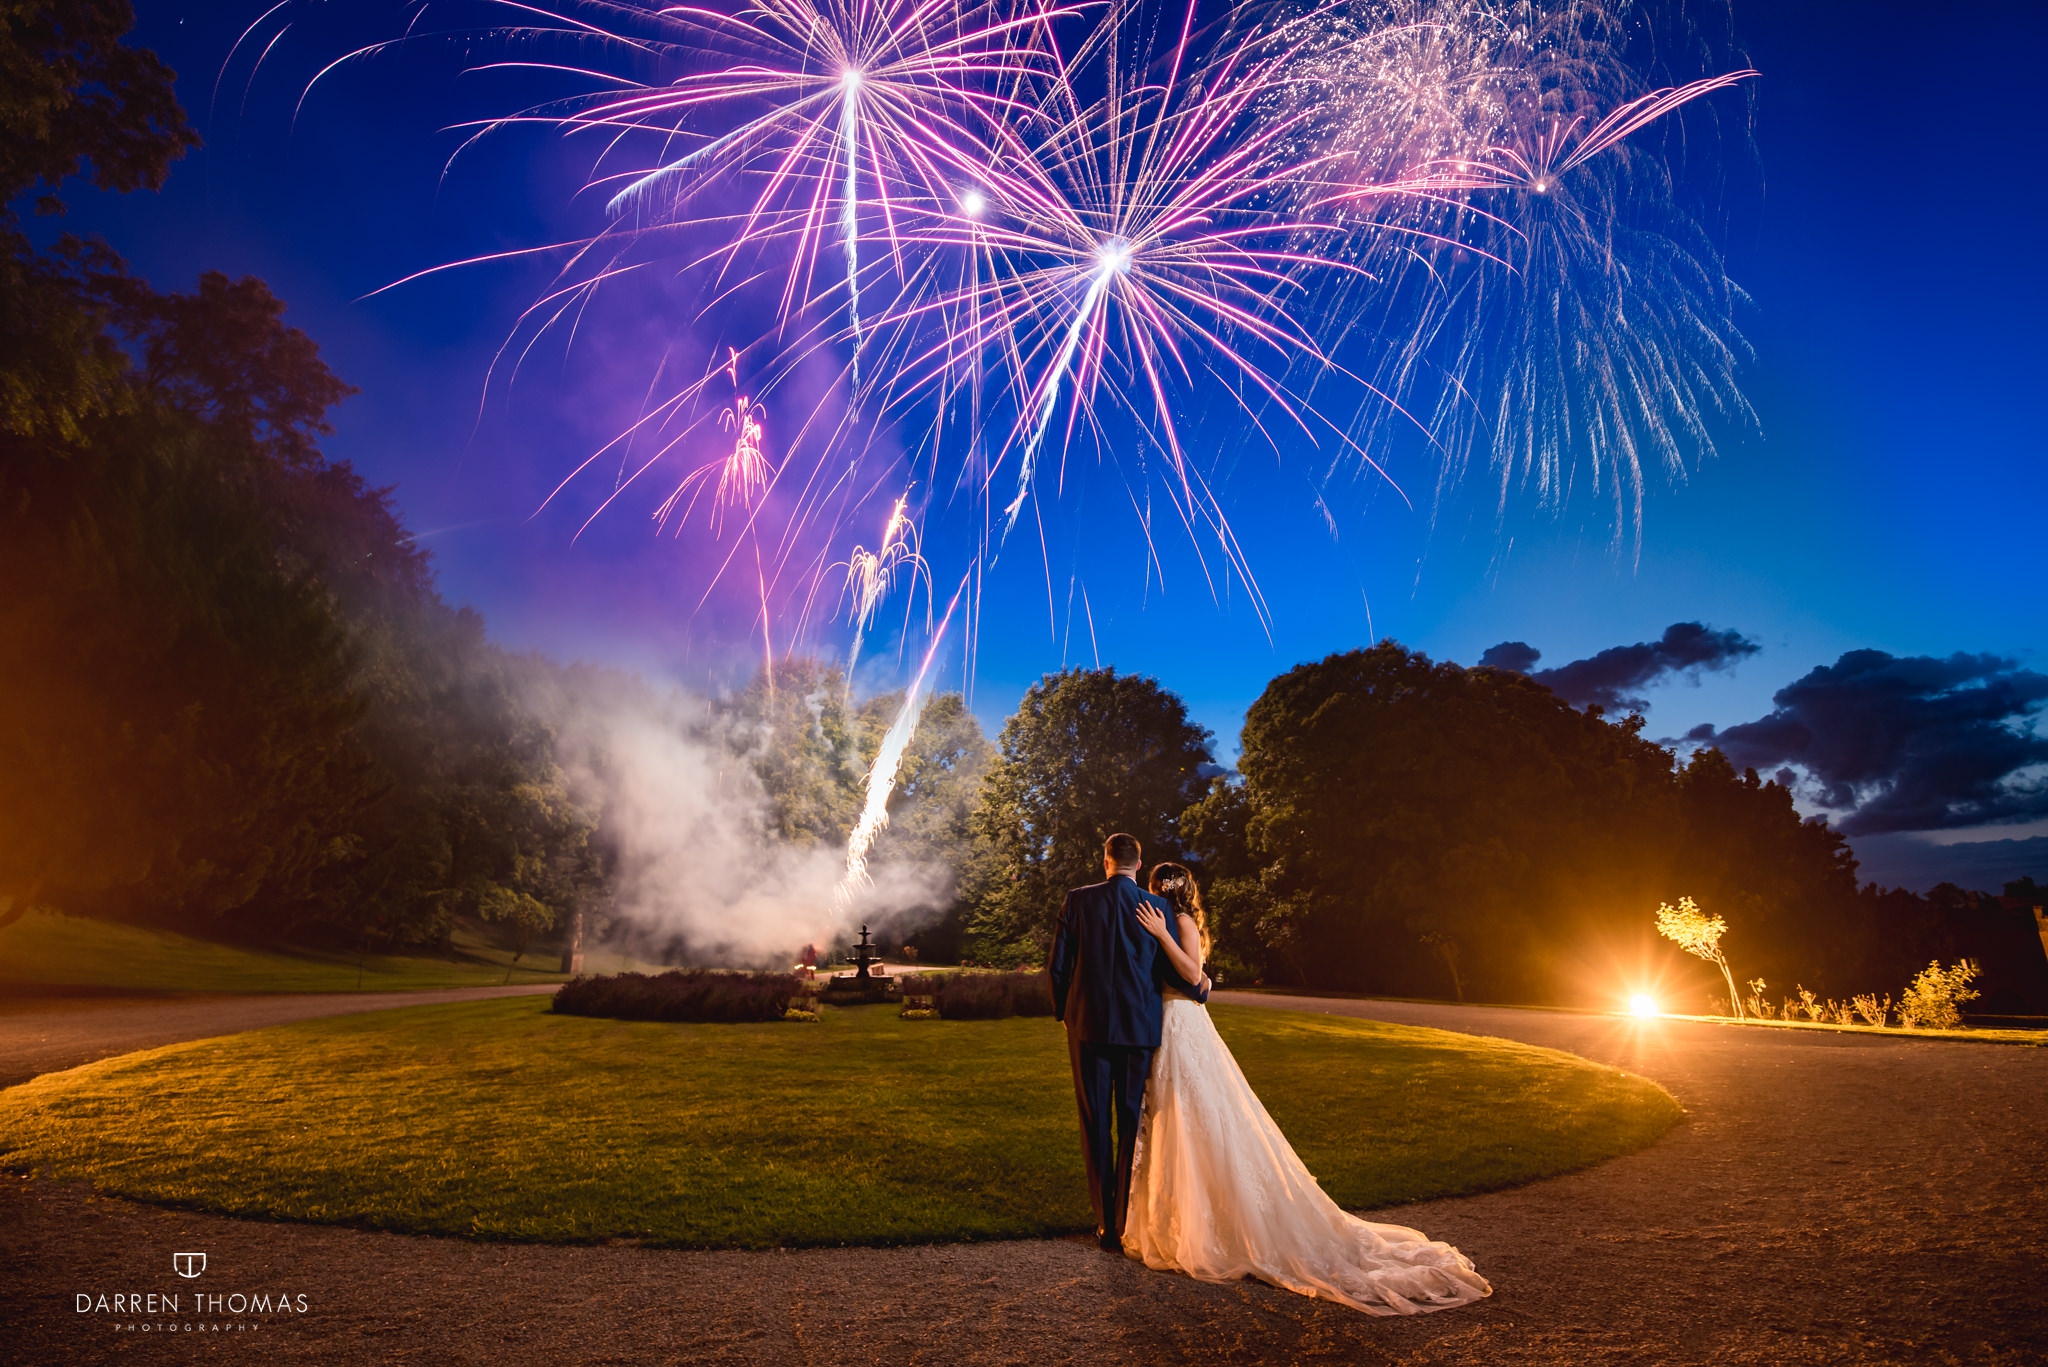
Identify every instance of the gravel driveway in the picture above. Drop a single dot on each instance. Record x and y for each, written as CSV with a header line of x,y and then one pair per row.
x,y
1831,1200
45,1034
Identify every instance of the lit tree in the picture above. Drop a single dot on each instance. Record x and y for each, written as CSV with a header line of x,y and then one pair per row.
x,y
1699,935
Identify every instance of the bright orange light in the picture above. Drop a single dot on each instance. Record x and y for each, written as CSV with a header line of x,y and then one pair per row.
x,y
1643,1004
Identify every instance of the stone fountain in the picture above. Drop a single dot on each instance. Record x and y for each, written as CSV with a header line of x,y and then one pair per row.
x,y
869,981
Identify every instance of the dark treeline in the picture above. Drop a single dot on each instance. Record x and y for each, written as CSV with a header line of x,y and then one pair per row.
x,y
231,700
232,697
1410,828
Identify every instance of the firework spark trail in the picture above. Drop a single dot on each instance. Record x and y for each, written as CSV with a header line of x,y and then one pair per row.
x,y
914,85
1028,461
849,213
1557,149
871,574
1538,276
1139,260
874,814
1237,208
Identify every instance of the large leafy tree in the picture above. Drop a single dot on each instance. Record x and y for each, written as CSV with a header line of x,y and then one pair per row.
x,y
1087,753
931,814
1785,884
796,728
938,783
1403,825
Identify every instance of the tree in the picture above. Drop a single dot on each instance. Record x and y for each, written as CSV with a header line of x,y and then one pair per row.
x,y
1087,753
1790,883
229,696
1381,792
1446,946
939,782
73,96
798,733
179,742
1699,935
931,811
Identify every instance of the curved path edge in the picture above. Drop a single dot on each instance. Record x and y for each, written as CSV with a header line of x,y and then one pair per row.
x,y
49,1034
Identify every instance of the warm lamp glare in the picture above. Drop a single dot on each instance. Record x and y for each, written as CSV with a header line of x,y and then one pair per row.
x,y
1642,1004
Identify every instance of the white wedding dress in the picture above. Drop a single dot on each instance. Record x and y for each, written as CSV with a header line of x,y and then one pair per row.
x,y
1218,1193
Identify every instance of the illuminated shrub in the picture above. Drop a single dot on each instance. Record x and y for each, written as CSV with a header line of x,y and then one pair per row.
x,y
1699,935
1934,999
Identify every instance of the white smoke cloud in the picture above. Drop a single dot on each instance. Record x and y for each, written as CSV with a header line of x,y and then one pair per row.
x,y
687,819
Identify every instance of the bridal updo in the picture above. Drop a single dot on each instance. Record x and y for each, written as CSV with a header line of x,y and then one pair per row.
x,y
1177,885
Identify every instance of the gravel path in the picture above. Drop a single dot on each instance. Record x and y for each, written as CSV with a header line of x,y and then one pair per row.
x,y
45,1034
1832,1201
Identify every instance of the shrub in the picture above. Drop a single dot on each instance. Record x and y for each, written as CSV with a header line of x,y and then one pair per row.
x,y
1934,999
984,996
1873,1011
697,994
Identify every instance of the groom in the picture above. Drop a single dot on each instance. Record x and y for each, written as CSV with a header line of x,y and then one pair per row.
x,y
1108,975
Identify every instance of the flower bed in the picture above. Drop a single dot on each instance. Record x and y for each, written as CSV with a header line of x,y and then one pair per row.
x,y
983,996
697,994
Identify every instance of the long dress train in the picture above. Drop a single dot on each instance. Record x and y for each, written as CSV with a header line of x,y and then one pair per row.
x,y
1218,1193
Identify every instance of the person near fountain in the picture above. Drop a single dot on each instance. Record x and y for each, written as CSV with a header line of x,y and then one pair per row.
x,y
1108,979
1216,1191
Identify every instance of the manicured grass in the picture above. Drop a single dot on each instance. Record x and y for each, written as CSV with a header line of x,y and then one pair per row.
x,y
502,1120
44,949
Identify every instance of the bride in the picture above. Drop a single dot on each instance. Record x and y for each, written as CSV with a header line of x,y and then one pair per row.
x,y
1217,1191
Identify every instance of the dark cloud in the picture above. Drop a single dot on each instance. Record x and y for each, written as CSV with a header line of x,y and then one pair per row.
x,y
1908,861
1616,678
1513,656
1910,744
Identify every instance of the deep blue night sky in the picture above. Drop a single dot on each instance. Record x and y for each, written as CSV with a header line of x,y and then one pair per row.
x,y
1893,250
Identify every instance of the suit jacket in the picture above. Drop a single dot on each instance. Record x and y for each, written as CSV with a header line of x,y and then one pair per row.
x,y
1107,973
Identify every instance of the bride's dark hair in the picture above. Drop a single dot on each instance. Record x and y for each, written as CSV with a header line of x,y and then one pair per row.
x,y
1176,883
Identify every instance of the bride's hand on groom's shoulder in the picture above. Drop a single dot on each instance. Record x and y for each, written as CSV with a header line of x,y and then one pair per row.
x,y
1151,918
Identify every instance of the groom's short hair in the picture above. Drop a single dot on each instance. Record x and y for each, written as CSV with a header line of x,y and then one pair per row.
x,y
1122,850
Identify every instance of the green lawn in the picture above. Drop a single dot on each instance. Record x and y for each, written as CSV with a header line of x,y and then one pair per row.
x,y
45,949
501,1120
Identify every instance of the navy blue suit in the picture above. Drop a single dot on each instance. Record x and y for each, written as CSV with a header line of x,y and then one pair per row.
x,y
1108,981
